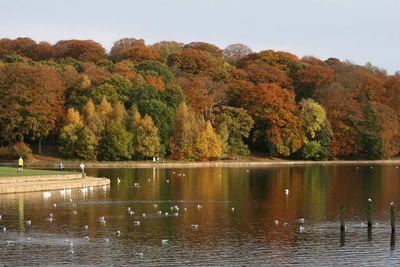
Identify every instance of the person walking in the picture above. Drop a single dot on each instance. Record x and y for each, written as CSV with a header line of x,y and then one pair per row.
x,y
82,166
61,166
20,164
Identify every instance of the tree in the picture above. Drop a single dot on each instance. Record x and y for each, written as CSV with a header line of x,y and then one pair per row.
x,y
146,140
163,117
208,145
235,52
166,48
186,131
84,50
233,125
69,133
31,102
314,116
122,45
156,68
116,143
278,126
138,54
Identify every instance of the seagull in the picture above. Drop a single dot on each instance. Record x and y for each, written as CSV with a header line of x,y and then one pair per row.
x,y
86,227
75,212
301,220
136,184
199,206
391,203
4,229
159,212
195,226
129,209
86,238
362,224
50,215
136,222
167,180
185,209
276,222
164,241
50,219
107,240
118,233
155,206
232,209
166,214
102,220
131,212
55,205
286,191
369,200
28,222
118,180
143,215
46,194
301,229
285,224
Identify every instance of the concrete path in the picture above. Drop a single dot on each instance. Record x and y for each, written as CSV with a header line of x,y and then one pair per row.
x,y
20,184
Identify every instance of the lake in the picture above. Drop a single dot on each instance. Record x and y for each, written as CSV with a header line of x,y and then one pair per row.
x,y
208,216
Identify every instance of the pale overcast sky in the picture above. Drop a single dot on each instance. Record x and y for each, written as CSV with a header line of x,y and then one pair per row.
x,y
357,30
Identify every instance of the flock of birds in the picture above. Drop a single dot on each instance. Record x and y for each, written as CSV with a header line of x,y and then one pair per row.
x,y
174,210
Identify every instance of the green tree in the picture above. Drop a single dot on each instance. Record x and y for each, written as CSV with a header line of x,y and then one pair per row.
x,y
116,143
163,117
233,125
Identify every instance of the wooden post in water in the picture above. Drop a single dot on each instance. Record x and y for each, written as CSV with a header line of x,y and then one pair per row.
x,y
392,217
369,213
342,224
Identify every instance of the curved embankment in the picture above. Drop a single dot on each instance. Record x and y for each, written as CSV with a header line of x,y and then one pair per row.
x,y
22,184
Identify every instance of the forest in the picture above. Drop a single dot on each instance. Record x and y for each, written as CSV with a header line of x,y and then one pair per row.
x,y
191,101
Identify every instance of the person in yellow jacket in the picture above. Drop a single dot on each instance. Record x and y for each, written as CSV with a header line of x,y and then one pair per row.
x,y
20,164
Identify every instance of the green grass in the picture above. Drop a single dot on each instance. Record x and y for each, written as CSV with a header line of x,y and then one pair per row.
x,y
10,171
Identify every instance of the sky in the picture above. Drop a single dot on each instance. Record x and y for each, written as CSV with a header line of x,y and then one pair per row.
x,y
360,31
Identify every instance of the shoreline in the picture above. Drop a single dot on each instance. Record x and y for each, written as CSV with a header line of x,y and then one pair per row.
x,y
23,184
205,164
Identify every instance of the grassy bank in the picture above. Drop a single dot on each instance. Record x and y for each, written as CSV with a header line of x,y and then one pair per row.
x,y
11,172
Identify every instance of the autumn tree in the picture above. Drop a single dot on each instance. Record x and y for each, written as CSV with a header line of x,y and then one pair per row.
x,y
146,141
31,100
278,126
116,143
123,45
84,50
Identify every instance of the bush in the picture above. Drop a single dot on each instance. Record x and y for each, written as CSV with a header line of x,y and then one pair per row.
x,y
15,151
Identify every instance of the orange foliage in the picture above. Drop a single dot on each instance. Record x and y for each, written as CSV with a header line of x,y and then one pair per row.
x,y
155,82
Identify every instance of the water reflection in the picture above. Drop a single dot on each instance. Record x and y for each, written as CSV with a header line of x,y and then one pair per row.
x,y
233,209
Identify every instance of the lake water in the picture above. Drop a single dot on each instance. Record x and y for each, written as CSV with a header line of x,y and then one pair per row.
x,y
226,217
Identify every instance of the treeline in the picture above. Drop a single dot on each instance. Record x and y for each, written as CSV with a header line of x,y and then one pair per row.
x,y
192,101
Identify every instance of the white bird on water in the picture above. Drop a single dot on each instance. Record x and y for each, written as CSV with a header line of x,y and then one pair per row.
x,y
118,233
276,222
1,217
86,227
136,222
301,220
164,241
28,222
118,180
301,229
369,200
195,226
232,209
286,191
46,194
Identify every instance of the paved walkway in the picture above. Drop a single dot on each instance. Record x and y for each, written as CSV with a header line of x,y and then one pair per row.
x,y
19,184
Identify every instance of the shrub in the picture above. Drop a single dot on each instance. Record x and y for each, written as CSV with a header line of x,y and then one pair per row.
x,y
15,151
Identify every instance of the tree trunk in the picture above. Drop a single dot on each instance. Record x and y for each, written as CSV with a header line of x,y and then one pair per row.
x,y
40,146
